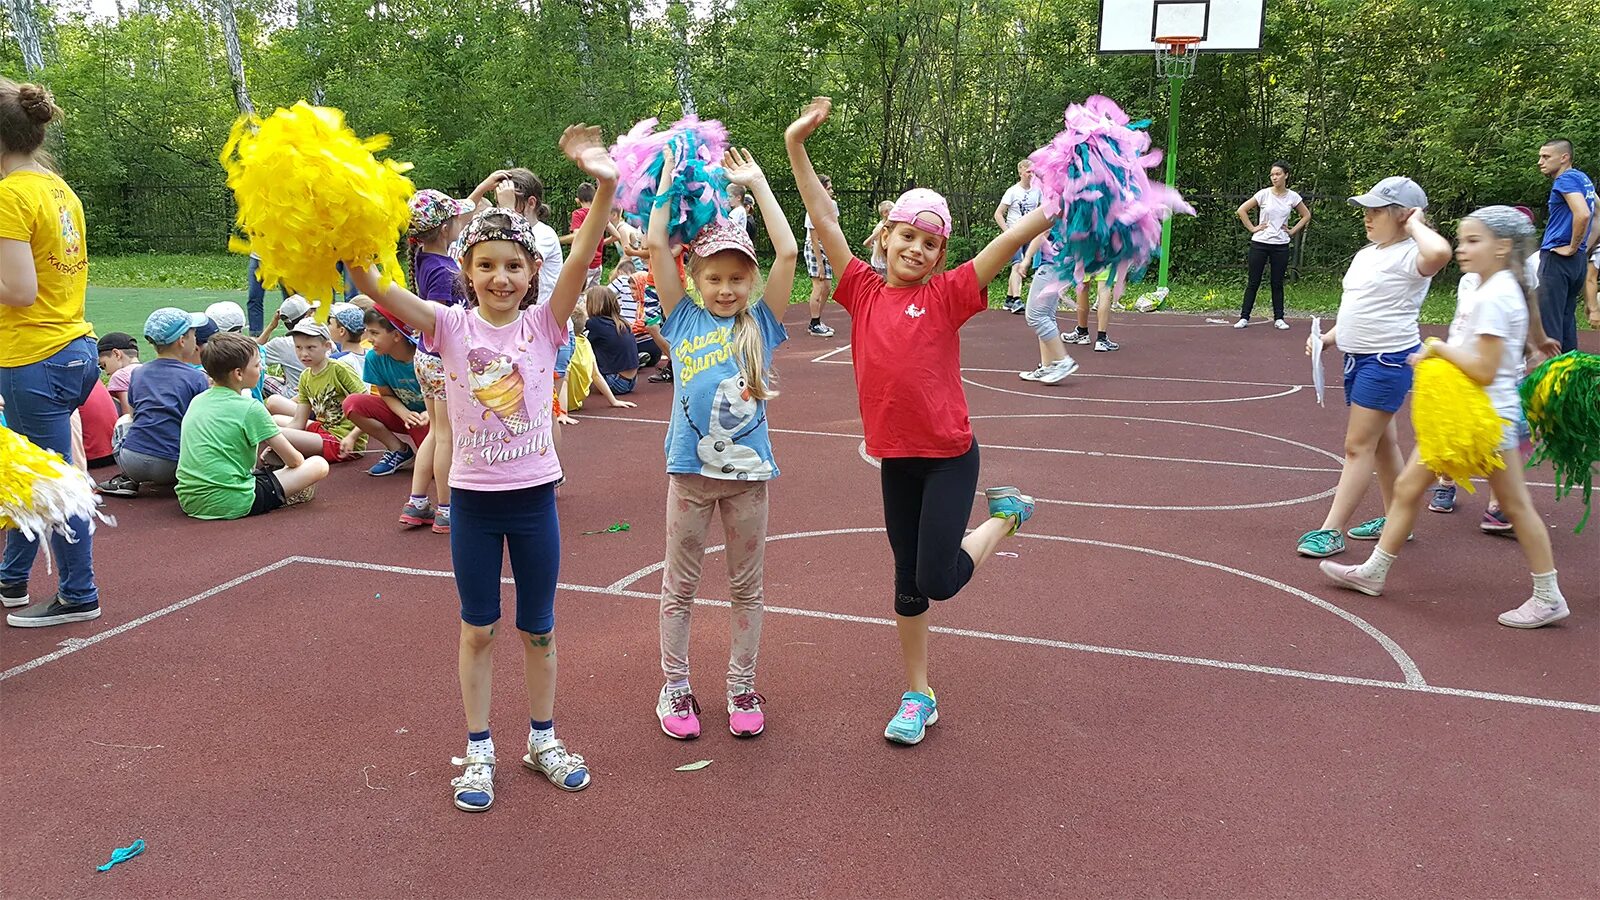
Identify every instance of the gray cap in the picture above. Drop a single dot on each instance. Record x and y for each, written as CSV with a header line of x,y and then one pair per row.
x,y
1396,190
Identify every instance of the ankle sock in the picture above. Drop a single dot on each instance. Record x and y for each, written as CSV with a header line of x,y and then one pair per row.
x,y
1377,565
541,733
444,508
479,743
1546,589
416,500
1099,335
815,321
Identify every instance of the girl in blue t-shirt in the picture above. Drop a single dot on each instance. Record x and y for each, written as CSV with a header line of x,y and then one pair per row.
x,y
719,457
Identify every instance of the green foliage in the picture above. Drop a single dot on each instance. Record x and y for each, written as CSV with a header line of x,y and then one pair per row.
x,y
934,92
213,272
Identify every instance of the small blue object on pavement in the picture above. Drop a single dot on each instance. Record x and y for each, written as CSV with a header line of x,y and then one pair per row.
x,y
123,854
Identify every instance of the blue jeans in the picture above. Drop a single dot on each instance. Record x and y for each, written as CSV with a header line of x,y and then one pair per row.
x,y
40,400
255,308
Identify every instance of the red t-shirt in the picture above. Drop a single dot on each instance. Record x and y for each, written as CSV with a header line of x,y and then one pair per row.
x,y
906,343
99,415
578,215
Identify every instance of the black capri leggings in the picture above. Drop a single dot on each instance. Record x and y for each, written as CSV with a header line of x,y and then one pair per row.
x,y
1260,255
926,504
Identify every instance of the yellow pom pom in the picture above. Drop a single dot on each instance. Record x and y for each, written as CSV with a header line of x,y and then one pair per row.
x,y
1458,430
40,493
311,194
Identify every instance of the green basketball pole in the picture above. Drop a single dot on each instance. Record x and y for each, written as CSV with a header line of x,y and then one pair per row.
x,y
1175,86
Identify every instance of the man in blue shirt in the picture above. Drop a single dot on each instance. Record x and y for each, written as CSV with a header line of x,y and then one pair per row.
x,y
1562,263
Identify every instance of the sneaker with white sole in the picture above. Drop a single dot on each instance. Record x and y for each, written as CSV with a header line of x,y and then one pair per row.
x,y
56,612
564,769
1036,375
1242,323
1322,543
1106,345
1057,371
1346,576
14,595
679,713
1535,613
1372,529
820,330
910,723
474,788
1280,324
393,461
119,486
1077,337
746,718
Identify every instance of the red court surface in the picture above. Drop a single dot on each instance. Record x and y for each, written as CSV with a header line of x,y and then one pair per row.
x,y
1153,697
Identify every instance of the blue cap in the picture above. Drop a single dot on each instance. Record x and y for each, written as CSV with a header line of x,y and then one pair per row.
x,y
169,324
204,332
350,316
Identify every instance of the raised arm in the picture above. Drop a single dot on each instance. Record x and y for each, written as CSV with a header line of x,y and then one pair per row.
x,y
824,220
742,169
997,255
488,184
669,287
1433,251
582,144
408,307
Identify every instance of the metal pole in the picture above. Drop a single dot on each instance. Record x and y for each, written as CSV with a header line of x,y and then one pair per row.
x,y
1175,86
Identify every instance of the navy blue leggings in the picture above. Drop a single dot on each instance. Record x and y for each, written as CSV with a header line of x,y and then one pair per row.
x,y
926,504
483,524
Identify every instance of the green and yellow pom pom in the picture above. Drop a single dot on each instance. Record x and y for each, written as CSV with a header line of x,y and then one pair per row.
x,y
1561,400
1458,430
311,194
40,493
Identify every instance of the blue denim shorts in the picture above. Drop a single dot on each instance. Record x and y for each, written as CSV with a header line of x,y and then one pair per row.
x,y
1378,381
564,355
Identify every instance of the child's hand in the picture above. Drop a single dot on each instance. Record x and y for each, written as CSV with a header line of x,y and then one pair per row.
x,y
415,419
565,419
347,444
669,163
505,195
1313,346
741,168
810,120
1425,351
622,404
582,145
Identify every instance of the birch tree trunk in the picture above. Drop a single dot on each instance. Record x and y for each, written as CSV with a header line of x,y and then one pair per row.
x,y
230,40
24,17
679,15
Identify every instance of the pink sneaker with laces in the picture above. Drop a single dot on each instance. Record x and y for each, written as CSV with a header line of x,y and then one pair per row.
x,y
745,718
1535,613
679,713
1345,576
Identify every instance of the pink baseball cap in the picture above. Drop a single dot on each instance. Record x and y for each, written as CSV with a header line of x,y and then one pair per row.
x,y
722,235
914,203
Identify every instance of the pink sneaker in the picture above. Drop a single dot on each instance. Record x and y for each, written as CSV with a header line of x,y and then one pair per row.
x,y
745,718
679,713
1535,613
1345,576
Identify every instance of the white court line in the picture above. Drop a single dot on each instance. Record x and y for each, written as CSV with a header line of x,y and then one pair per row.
x,y
826,356
1289,389
1203,662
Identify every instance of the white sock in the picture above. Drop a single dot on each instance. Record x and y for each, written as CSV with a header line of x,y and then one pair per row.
x,y
484,747
538,737
1377,565
1546,590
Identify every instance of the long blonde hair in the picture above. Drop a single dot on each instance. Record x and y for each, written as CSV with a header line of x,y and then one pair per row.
x,y
749,351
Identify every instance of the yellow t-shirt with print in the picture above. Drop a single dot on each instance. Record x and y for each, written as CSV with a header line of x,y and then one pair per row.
x,y
40,210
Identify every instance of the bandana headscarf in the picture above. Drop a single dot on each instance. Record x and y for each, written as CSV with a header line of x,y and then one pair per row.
x,y
520,231
1504,221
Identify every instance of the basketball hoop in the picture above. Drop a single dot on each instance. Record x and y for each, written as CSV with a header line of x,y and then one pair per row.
x,y
1177,57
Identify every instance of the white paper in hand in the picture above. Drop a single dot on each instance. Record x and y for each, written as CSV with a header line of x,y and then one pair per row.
x,y
1316,360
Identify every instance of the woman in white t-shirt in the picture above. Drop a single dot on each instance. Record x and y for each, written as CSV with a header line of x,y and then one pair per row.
x,y
1492,323
1377,330
1270,240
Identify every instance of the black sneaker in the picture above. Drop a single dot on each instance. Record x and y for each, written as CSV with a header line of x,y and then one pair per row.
x,y
1017,306
55,612
119,486
14,594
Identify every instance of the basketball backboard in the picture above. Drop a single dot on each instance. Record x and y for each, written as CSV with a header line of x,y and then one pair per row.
x,y
1223,26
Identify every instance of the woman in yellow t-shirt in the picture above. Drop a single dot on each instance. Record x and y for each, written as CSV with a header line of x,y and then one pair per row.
x,y
47,348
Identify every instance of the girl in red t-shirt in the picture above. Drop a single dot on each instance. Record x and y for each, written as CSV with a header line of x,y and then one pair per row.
x,y
906,346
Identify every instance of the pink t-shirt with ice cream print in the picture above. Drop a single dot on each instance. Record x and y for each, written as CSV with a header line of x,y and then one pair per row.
x,y
499,381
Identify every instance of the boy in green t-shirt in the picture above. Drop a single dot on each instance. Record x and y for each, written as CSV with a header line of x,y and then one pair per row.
x,y
223,433
319,426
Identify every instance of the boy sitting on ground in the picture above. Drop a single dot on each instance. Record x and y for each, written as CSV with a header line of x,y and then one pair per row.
x,y
223,438
280,351
324,385
159,393
397,404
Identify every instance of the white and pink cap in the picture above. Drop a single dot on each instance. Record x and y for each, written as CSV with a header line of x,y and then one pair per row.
x,y
917,201
722,235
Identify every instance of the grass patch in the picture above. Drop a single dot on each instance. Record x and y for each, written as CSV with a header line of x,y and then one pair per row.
x,y
125,309
217,271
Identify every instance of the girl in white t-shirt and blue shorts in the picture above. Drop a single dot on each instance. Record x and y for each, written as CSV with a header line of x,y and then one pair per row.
x,y
1377,330
1487,338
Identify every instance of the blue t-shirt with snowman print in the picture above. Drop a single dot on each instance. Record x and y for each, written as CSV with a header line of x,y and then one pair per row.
x,y
717,429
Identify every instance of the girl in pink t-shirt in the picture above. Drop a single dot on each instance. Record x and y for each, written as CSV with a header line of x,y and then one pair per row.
x,y
905,341
499,357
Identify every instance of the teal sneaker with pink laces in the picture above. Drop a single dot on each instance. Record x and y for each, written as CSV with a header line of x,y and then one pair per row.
x,y
910,723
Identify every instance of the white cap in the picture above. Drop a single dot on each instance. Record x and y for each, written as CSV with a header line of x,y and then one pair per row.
x,y
226,315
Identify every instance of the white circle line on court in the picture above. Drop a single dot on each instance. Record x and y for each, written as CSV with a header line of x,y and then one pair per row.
x,y
1291,389
1226,665
1408,668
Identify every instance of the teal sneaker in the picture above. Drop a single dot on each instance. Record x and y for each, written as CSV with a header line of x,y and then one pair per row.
x,y
1371,530
910,724
1009,503
1321,543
